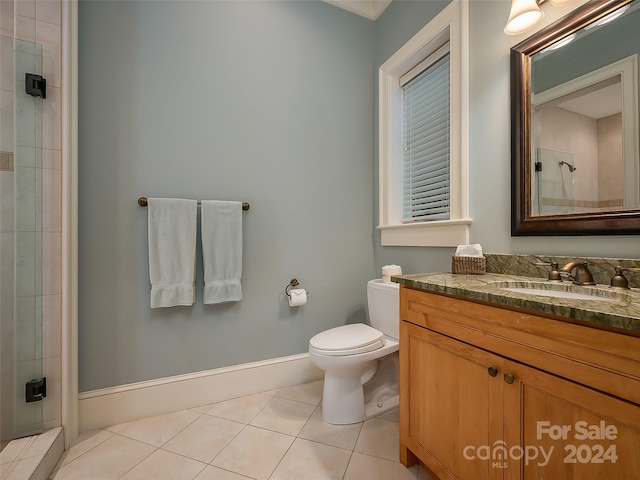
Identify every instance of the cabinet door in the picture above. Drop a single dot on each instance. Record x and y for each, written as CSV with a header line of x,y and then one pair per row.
x,y
563,430
450,404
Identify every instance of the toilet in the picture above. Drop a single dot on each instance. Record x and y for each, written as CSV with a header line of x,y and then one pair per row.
x,y
360,362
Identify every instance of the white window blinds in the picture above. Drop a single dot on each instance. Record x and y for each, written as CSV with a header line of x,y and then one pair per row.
x,y
426,127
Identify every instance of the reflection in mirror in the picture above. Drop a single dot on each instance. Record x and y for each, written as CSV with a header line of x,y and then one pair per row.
x,y
576,162
578,133
583,120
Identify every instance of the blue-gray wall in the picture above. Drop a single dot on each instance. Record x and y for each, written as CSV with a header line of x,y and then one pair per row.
x,y
265,102
273,103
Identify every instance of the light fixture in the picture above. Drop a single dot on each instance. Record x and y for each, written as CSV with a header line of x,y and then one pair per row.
x,y
524,15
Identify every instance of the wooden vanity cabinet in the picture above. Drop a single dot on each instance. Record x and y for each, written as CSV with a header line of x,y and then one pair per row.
x,y
448,400
491,393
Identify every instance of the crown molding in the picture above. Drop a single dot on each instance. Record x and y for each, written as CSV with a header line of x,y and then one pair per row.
x,y
370,9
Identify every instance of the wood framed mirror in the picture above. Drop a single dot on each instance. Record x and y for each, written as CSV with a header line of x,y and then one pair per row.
x,y
575,162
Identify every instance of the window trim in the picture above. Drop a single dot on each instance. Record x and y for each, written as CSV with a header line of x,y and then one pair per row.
x,y
450,24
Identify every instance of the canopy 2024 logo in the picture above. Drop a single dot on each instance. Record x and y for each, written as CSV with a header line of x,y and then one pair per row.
x,y
500,453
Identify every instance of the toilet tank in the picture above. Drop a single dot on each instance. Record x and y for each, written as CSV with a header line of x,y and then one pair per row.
x,y
384,307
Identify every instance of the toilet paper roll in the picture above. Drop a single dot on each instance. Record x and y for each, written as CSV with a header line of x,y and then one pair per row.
x,y
389,270
298,297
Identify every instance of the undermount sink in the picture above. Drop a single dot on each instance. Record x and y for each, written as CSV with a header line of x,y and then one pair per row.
x,y
558,294
560,290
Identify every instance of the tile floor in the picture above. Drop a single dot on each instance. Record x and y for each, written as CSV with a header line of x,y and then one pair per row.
x,y
275,435
31,458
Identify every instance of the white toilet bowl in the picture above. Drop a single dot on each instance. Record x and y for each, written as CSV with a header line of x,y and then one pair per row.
x,y
344,378
351,354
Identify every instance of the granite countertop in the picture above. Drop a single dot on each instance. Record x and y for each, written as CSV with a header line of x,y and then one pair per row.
x,y
610,309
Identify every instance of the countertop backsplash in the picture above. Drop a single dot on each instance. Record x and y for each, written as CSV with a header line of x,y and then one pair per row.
x,y
602,269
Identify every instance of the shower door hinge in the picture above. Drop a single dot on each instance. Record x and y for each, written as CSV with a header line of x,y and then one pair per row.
x,y
538,166
36,389
35,85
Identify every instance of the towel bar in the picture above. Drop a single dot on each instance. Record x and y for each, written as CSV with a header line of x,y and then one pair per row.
x,y
142,201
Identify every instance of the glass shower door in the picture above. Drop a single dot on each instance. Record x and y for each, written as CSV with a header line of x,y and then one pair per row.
x,y
21,129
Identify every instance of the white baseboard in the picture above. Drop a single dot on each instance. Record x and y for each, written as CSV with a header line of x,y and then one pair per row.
x,y
125,403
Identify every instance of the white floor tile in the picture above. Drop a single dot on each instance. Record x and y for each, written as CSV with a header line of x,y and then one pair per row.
x,y
392,416
15,449
109,460
85,442
306,392
423,475
343,436
379,438
24,468
42,442
312,461
205,438
215,473
255,452
201,409
284,416
241,409
118,428
276,435
166,465
159,430
5,468
367,467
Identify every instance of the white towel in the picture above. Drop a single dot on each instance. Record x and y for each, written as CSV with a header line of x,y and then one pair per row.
x,y
172,251
474,250
222,250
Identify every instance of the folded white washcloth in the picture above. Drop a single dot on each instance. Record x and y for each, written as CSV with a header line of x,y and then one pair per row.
x,y
474,250
221,250
172,251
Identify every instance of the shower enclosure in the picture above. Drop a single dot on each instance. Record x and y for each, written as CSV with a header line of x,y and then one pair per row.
x,y
22,387
554,180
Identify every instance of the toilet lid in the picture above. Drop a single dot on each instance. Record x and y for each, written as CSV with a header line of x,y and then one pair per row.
x,y
347,340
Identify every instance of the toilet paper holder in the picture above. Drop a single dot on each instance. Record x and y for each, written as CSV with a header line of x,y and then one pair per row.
x,y
292,283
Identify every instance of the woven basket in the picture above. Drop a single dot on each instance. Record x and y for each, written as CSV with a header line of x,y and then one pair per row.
x,y
469,265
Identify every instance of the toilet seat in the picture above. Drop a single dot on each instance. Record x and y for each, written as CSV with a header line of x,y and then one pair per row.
x,y
347,340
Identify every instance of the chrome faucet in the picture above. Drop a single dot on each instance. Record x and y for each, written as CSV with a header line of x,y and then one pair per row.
x,y
582,274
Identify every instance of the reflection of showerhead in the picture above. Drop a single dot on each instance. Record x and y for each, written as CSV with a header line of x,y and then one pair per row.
x,y
569,166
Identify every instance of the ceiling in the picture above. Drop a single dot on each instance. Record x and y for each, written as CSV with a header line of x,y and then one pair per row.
x,y
600,103
370,9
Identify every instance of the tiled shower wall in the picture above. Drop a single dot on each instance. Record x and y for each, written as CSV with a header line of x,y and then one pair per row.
x,y
39,21
598,146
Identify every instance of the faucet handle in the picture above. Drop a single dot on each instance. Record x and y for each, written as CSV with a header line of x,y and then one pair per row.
x,y
554,274
619,280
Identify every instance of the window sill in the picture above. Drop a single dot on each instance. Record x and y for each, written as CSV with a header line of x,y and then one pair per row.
x,y
446,233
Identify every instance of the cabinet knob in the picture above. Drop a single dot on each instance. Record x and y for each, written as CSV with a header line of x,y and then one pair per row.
x,y
509,378
493,371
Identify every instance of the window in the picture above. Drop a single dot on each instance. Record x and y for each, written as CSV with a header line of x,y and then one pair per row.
x,y
423,136
425,128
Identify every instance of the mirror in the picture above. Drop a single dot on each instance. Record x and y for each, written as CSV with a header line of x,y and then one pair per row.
x,y
575,160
